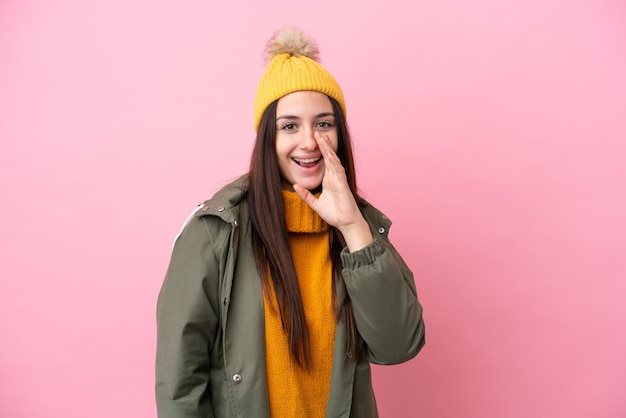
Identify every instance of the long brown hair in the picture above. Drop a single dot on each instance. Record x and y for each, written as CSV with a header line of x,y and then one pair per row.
x,y
270,239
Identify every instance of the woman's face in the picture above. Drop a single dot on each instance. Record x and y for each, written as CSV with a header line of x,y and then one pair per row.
x,y
299,116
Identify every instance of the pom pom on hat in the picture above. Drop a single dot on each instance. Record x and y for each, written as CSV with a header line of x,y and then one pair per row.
x,y
292,60
293,42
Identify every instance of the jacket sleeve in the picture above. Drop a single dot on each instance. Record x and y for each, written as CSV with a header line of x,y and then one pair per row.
x,y
387,312
187,320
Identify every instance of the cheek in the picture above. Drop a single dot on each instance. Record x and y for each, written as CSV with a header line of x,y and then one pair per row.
x,y
282,154
280,147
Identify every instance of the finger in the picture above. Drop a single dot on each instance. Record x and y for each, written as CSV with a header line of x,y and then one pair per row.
x,y
330,169
323,142
329,154
334,173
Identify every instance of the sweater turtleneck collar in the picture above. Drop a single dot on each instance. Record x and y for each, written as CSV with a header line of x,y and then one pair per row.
x,y
300,217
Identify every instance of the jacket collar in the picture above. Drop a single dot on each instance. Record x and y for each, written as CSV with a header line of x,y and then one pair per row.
x,y
225,200
231,195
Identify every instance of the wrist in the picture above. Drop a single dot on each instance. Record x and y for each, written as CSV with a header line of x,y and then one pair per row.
x,y
357,235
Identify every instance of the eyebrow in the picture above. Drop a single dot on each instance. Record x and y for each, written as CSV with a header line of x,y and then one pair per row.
x,y
292,117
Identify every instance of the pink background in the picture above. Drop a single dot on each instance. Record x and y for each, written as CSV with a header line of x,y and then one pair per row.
x,y
493,133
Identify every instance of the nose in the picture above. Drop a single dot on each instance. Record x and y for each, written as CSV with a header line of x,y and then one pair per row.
x,y
308,141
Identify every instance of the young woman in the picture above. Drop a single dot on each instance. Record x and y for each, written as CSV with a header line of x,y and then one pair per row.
x,y
283,287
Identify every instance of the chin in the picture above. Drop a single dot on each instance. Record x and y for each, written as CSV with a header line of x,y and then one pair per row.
x,y
312,186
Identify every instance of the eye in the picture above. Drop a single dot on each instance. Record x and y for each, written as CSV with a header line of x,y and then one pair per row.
x,y
324,124
288,127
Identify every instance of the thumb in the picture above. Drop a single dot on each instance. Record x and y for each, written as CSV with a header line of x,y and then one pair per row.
x,y
305,195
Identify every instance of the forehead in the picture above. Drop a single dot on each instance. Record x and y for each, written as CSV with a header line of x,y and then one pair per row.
x,y
303,103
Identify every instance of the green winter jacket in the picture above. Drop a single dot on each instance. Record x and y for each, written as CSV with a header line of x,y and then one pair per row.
x,y
211,338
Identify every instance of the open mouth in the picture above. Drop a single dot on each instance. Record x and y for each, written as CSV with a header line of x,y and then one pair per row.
x,y
307,162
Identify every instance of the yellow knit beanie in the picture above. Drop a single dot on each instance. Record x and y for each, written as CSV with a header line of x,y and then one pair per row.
x,y
293,65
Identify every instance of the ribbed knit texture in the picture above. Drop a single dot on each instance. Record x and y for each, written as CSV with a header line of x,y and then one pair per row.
x,y
293,391
286,74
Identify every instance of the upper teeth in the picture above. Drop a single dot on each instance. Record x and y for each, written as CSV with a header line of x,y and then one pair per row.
x,y
306,160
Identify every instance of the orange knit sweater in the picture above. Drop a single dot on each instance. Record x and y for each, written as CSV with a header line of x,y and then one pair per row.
x,y
293,391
